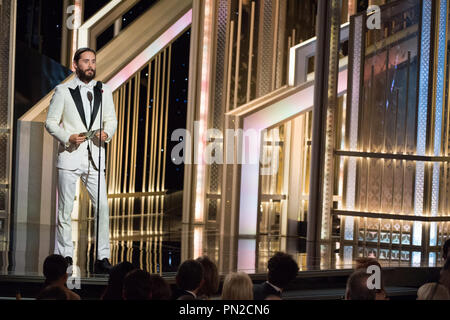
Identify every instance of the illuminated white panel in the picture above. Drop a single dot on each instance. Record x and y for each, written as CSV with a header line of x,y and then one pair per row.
x,y
260,120
148,53
353,130
416,259
198,242
200,191
246,255
440,83
432,259
422,117
348,256
300,53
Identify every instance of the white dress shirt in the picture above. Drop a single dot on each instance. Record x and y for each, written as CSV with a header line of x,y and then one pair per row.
x,y
84,88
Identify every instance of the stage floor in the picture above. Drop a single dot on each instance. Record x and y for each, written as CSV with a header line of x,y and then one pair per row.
x,y
170,242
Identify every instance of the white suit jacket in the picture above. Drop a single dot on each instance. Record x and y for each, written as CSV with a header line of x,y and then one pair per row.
x,y
66,117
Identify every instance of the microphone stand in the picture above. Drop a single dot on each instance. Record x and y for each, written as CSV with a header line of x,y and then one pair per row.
x,y
99,169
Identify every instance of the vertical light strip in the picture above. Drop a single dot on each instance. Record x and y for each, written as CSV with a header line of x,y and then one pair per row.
x,y
353,130
161,123
166,120
204,102
440,78
422,117
127,146
229,66
147,108
198,242
157,123
275,42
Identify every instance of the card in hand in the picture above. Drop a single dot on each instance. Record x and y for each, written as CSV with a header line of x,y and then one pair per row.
x,y
89,135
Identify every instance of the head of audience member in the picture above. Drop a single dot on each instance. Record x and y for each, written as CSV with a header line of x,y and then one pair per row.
x,y
445,275
190,276
117,274
357,288
433,291
55,270
282,270
137,285
446,249
52,292
160,288
210,284
237,286
364,263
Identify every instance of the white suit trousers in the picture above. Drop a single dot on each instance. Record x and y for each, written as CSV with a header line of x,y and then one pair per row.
x,y
67,182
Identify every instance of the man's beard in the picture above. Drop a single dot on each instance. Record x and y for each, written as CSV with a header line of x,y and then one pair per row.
x,y
85,76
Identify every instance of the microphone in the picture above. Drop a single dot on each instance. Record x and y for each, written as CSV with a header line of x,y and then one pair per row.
x,y
89,96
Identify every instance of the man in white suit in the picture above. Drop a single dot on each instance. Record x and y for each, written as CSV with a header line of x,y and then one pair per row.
x,y
73,112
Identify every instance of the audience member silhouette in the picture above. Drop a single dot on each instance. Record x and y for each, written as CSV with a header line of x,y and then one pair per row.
x,y
446,249
55,272
137,285
189,279
114,290
366,262
160,288
210,284
357,288
282,270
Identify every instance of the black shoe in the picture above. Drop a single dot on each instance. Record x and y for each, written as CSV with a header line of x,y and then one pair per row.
x,y
102,266
69,261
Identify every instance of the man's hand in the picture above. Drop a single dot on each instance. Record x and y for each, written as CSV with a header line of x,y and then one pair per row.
x,y
104,135
77,139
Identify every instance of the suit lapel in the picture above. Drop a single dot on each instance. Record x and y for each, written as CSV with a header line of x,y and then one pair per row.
x,y
97,99
76,96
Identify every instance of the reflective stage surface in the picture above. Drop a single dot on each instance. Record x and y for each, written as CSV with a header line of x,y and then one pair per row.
x,y
170,242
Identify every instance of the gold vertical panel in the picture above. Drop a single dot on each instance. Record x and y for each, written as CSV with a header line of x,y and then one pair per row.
x,y
166,120
127,139
120,139
275,42
152,133
144,173
135,108
160,134
229,66
154,124
136,123
157,107
250,53
238,51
